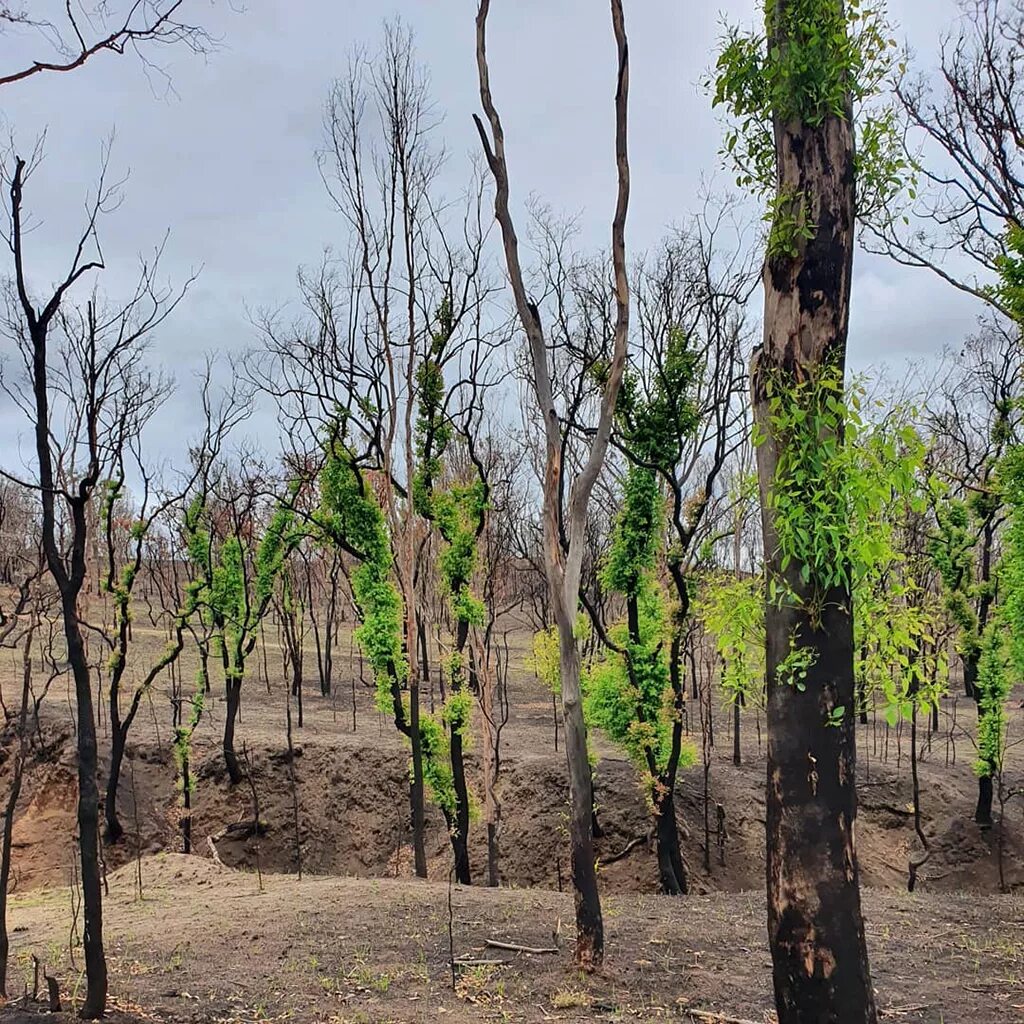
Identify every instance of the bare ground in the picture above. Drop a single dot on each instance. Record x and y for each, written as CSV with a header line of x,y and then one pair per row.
x,y
204,944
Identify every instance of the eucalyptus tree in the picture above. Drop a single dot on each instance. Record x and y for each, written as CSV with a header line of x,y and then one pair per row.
x,y
86,392
239,537
563,551
975,423
357,364
795,91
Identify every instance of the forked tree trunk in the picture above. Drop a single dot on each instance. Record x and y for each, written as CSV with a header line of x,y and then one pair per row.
x,y
563,564
816,930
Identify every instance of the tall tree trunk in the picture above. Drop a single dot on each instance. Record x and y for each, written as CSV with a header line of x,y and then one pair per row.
x,y
815,925
419,847
88,817
118,738
737,755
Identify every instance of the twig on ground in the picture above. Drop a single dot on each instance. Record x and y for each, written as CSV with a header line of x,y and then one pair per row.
x,y
495,944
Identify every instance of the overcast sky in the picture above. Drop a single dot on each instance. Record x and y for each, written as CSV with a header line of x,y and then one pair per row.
x,y
226,161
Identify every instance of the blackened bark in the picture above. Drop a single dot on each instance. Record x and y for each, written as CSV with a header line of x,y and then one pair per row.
x,y
983,809
114,829
233,693
88,816
816,931
186,798
737,757
460,824
671,870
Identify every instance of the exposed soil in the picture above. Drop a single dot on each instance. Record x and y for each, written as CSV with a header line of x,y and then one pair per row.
x,y
354,815
204,944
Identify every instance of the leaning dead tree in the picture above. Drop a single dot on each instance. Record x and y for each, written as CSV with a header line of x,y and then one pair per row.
x,y
86,394
83,31
563,561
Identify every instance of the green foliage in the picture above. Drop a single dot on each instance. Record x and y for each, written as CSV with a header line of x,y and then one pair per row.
x,y
834,475
433,429
952,552
629,695
993,685
799,660
437,772
458,513
654,425
1012,569
805,69
636,535
351,517
546,660
789,223
1009,291
732,610
234,582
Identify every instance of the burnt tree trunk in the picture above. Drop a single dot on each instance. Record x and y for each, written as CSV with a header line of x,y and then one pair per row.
x,y
816,931
672,873
88,816
233,698
460,823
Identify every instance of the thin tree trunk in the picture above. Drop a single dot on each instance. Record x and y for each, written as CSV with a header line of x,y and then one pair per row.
x,y
88,818
12,803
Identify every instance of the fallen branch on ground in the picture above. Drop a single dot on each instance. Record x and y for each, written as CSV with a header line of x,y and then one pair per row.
x,y
719,1018
495,944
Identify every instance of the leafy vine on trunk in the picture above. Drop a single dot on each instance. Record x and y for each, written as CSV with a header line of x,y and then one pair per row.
x,y
458,512
350,517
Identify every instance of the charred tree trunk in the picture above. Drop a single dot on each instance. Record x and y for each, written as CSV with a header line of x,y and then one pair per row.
x,y
460,823
88,817
983,808
233,698
589,923
114,829
671,870
737,756
816,930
